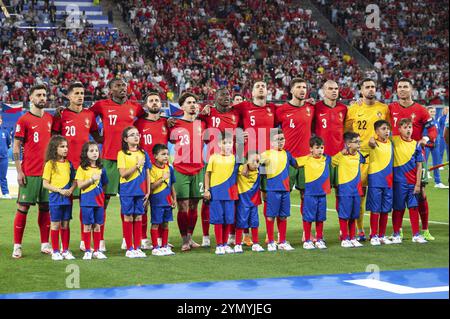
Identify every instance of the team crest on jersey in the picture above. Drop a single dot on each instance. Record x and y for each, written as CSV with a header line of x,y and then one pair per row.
x,y
308,111
233,119
18,128
87,123
131,113
268,110
164,130
413,116
379,115
49,126
341,118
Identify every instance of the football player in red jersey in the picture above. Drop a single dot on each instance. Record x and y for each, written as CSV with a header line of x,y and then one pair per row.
x,y
76,123
117,113
153,129
187,136
407,108
329,122
33,132
222,117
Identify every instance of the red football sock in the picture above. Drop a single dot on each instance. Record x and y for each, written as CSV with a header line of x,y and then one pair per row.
x,y
319,230
144,225
165,237
154,234
424,213
352,228
218,231
343,225
65,238
225,233
122,217
232,229
269,226
55,239
137,233
374,221
87,239
307,230
397,220
182,219
205,219
19,226
81,226
414,219
239,232
255,235
44,225
96,235
128,234
102,226
160,231
192,220
383,224
282,226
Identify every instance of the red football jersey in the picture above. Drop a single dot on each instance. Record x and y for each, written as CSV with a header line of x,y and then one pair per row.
x,y
257,121
188,139
152,133
115,117
35,133
75,127
329,125
419,116
217,122
296,123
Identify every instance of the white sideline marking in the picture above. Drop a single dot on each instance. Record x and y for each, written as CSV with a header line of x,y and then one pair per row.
x,y
429,222
396,289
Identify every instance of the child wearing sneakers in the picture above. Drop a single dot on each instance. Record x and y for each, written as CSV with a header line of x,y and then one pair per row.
x,y
249,199
379,192
349,188
162,200
407,178
275,165
221,191
317,186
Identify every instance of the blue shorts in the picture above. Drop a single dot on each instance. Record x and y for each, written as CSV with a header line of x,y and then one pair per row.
x,y
132,205
348,207
379,200
221,212
246,216
314,208
278,204
404,196
161,214
92,215
60,213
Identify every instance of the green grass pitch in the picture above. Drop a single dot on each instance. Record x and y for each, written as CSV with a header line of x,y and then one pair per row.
x,y
37,272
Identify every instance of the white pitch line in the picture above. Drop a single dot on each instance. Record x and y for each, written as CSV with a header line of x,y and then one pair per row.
x,y
366,214
393,288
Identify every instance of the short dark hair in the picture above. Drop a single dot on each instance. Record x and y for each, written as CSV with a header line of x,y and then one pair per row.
x,y
74,85
315,140
238,94
367,80
275,131
114,79
405,80
38,87
295,81
150,94
380,123
348,136
404,121
184,96
158,148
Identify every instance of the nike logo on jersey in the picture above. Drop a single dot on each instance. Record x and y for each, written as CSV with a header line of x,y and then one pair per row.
x,y
33,127
322,114
67,122
145,130
289,115
252,111
109,111
360,115
395,113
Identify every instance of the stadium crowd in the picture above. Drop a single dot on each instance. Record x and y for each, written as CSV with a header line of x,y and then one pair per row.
x,y
412,39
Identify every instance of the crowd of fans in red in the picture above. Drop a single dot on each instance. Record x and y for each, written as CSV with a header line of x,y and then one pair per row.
x,y
199,46
410,37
